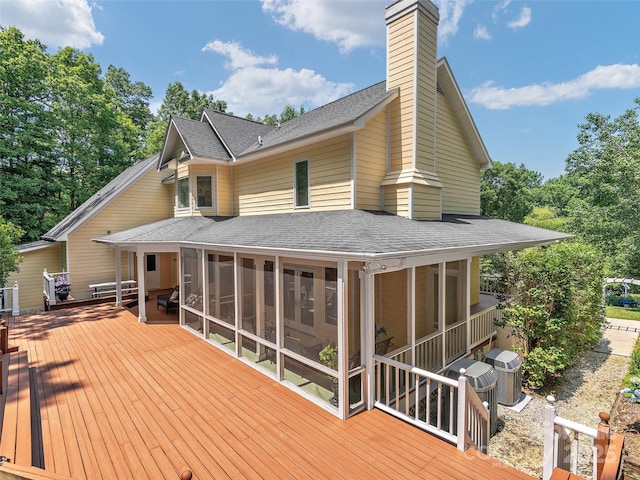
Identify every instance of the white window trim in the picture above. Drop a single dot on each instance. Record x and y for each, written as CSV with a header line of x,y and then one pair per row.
x,y
198,206
295,185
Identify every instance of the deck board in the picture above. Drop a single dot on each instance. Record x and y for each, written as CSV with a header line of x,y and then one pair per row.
x,y
121,399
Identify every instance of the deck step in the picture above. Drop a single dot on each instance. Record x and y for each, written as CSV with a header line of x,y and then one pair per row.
x,y
15,404
9,471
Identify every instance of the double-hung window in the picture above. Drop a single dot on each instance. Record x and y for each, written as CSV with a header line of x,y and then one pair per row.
x,y
183,192
204,191
301,187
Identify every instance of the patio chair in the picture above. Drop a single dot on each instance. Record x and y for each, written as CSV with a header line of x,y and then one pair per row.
x,y
169,300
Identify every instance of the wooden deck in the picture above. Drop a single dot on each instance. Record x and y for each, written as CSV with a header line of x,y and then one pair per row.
x,y
122,399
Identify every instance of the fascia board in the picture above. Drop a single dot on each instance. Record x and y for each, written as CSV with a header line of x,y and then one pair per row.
x,y
449,85
233,158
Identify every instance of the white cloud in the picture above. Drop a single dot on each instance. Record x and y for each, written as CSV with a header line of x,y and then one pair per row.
x,y
56,23
523,20
354,23
450,14
239,57
482,33
499,8
349,24
253,88
617,76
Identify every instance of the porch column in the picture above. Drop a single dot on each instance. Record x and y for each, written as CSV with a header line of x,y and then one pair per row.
x,y
142,307
368,333
467,306
343,366
442,298
118,277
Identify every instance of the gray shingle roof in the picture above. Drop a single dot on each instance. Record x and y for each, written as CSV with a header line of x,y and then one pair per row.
x,y
341,112
200,139
101,198
350,232
237,133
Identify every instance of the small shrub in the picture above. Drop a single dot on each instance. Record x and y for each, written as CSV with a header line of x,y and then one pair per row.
x,y
614,300
634,366
543,363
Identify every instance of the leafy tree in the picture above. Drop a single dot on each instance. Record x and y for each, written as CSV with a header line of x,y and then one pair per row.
x,y
288,113
9,258
546,217
552,303
557,193
505,191
131,99
606,211
64,131
28,190
177,101
93,139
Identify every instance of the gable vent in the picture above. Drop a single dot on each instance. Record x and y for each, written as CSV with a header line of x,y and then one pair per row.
x,y
438,89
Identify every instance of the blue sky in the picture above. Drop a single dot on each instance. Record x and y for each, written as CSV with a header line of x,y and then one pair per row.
x,y
530,71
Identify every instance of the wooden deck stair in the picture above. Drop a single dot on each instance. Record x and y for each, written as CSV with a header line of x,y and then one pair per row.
x,y
15,402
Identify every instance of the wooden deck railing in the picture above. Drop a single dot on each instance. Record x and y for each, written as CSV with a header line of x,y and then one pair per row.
x,y
429,350
49,285
10,299
442,406
562,443
482,325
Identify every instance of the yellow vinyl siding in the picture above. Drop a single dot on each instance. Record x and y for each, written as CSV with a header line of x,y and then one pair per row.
x,y
391,293
168,269
267,186
224,193
426,88
90,262
371,162
474,287
458,171
401,75
29,277
396,199
426,202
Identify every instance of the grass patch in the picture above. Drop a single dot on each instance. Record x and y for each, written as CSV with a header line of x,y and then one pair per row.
x,y
623,313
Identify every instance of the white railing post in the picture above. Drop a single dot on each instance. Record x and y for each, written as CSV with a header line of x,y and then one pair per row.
x,y
549,439
49,287
463,384
15,301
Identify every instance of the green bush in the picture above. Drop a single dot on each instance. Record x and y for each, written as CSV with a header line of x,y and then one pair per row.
x,y
614,300
542,364
634,366
552,304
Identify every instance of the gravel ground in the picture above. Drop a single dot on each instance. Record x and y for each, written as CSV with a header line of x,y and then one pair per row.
x,y
584,390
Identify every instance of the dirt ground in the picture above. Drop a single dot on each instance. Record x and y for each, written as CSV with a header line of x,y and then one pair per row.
x,y
625,419
585,389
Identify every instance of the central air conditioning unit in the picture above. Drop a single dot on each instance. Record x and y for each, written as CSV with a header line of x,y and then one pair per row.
x,y
483,379
507,364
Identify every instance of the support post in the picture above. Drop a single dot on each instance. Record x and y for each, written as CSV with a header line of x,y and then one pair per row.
x,y
463,384
142,306
15,300
549,438
4,337
602,441
118,260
